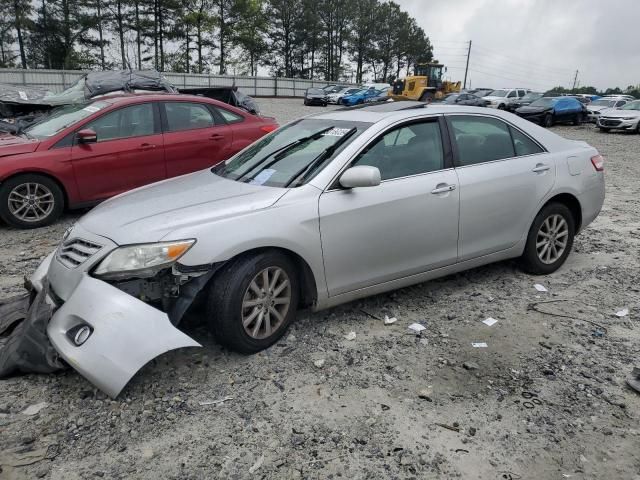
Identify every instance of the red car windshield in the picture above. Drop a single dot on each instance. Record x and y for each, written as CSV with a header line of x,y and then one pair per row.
x,y
62,118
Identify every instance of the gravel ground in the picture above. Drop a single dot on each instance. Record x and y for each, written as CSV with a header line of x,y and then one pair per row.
x,y
387,404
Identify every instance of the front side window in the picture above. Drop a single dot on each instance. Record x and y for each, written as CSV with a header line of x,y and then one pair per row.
x,y
405,151
187,116
133,121
481,139
512,94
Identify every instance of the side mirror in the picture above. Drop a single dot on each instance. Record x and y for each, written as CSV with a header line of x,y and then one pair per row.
x,y
360,176
87,136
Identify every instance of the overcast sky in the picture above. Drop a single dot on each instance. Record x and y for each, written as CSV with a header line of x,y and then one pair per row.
x,y
535,43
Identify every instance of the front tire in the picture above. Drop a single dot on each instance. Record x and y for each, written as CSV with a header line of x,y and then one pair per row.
x,y
548,121
252,301
427,96
576,120
30,201
550,240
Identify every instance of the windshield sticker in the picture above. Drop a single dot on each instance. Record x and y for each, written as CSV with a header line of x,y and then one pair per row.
x,y
91,109
337,132
23,95
262,177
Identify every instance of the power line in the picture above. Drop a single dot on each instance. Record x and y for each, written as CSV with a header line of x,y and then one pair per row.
x,y
522,62
515,69
524,81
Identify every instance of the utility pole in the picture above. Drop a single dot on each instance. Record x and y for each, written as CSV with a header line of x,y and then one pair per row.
x,y
575,79
466,69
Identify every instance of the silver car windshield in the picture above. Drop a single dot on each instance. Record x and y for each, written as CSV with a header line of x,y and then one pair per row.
x,y
292,155
635,105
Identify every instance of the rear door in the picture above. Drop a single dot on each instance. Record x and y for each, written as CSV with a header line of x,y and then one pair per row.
x,y
195,137
129,152
504,175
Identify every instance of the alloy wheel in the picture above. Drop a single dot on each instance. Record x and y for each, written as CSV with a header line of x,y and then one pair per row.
x,y
31,202
266,302
552,238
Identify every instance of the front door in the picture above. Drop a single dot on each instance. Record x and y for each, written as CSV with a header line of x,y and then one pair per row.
x,y
193,139
129,153
406,225
504,176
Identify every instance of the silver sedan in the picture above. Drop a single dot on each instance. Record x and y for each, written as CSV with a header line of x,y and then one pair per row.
x,y
325,210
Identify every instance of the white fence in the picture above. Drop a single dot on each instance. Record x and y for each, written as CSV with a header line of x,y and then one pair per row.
x,y
58,80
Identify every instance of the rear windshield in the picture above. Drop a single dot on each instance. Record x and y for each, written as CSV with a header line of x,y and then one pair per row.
x,y
62,118
292,155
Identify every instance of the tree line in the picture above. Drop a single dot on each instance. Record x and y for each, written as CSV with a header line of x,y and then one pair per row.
x,y
633,90
323,39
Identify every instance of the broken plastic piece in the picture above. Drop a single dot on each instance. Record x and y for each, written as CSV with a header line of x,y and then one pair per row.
x,y
389,321
416,327
34,409
479,345
350,336
490,321
622,313
540,288
215,402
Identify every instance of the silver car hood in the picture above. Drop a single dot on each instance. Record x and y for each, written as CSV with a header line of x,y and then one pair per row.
x,y
622,113
599,108
150,213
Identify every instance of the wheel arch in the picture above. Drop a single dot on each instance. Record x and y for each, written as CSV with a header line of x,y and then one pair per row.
x,y
572,203
308,283
56,180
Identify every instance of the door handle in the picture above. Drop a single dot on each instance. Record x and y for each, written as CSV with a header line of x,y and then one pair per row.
x,y
147,146
216,136
541,167
443,188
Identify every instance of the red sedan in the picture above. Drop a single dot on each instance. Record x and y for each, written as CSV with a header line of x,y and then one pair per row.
x,y
83,154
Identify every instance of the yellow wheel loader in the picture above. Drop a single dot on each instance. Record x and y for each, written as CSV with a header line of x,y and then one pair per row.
x,y
425,84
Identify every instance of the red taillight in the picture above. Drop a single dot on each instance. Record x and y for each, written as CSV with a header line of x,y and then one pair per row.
x,y
269,128
598,162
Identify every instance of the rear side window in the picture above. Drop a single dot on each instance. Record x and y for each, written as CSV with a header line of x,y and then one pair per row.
x,y
523,144
229,116
481,139
133,121
187,116
404,151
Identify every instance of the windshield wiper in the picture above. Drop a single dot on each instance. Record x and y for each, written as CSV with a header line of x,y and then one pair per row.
x,y
304,171
280,153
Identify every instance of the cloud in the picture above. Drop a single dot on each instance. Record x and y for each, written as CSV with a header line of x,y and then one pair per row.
x,y
534,43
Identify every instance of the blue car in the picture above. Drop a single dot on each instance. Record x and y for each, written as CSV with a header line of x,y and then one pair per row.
x,y
549,110
361,96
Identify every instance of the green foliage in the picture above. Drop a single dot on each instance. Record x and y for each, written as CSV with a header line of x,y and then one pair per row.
x,y
330,39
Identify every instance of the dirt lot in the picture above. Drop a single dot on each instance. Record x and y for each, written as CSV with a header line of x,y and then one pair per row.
x,y
376,405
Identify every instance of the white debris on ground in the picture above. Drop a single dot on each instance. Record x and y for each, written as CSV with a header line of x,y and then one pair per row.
x,y
375,407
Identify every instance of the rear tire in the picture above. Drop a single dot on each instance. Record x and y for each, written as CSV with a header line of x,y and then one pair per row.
x,y
30,201
548,121
549,241
502,107
243,314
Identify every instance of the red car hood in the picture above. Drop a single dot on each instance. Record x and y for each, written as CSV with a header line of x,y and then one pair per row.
x,y
11,145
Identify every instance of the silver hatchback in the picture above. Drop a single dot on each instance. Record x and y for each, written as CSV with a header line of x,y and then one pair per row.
x,y
325,210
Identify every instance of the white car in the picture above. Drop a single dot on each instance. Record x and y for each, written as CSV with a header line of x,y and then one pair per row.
x,y
505,96
598,107
626,117
337,96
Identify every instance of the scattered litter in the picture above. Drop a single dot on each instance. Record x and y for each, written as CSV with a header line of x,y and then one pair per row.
x,y
448,427
566,475
350,336
598,333
416,327
540,288
257,465
490,321
622,313
215,402
34,409
319,363
389,321
425,394
479,345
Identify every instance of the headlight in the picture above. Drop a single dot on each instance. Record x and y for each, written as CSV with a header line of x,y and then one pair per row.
x,y
142,260
628,118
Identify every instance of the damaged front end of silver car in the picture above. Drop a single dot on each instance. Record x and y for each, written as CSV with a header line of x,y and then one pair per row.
x,y
103,322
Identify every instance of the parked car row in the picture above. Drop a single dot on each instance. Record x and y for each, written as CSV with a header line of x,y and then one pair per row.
x,y
84,153
346,94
